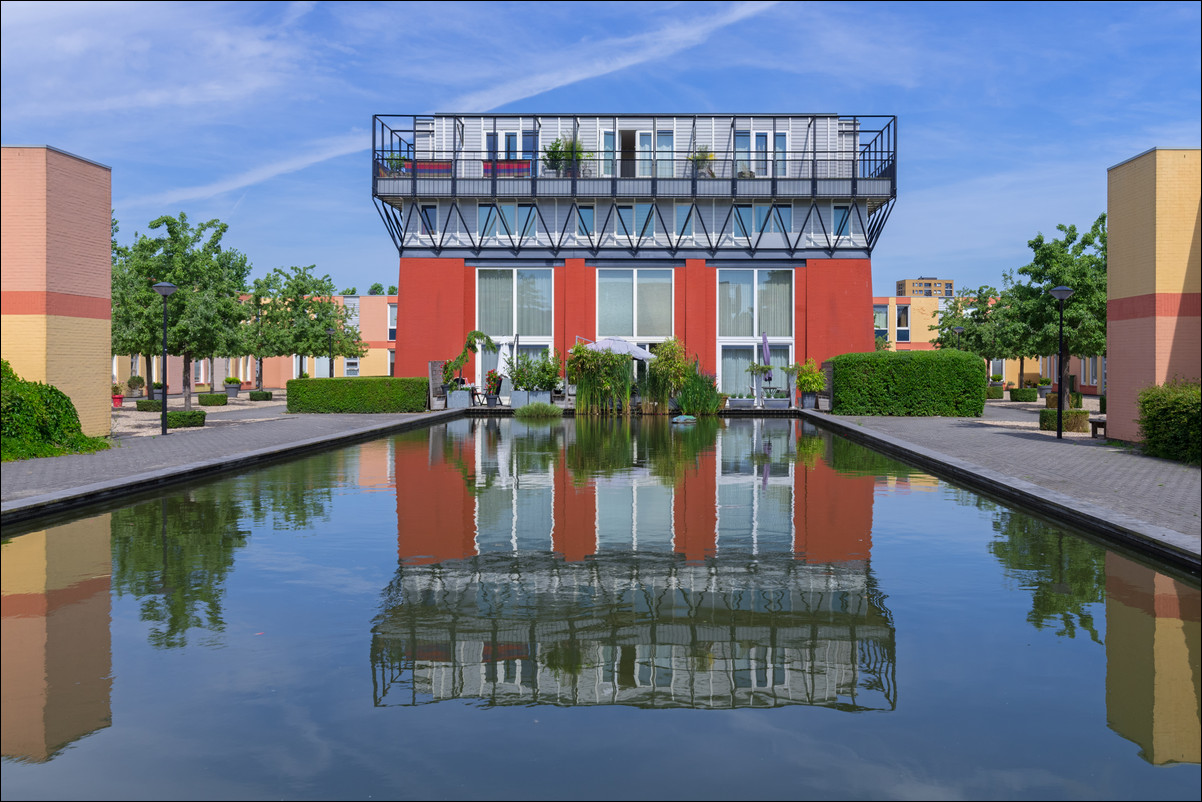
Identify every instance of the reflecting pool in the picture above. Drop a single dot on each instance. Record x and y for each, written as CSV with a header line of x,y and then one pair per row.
x,y
591,609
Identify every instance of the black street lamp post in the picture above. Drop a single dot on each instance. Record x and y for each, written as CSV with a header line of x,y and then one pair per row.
x,y
1061,294
164,288
330,334
959,330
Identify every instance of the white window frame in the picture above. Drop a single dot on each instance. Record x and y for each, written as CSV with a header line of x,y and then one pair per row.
x,y
769,225
524,340
755,340
350,366
637,338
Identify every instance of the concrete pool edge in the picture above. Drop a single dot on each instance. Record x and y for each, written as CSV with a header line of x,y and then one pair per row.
x,y
48,504
1146,538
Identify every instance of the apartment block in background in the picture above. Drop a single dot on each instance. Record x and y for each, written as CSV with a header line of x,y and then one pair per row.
x,y
55,297
925,287
1154,279
719,230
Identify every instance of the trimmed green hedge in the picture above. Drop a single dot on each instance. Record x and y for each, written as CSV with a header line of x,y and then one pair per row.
x,y
1024,394
181,419
358,394
213,399
39,420
260,395
1075,420
945,382
994,393
1170,418
1075,400
149,405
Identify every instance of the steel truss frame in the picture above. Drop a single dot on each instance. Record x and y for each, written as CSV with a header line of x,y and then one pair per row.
x,y
401,226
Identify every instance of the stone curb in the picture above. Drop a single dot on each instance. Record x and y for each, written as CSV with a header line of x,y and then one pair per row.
x,y
31,507
1141,536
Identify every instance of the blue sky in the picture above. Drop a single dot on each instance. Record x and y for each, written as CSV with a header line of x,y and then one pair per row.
x,y
259,114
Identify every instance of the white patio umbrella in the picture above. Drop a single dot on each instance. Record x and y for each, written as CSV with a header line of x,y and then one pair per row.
x,y
619,346
502,358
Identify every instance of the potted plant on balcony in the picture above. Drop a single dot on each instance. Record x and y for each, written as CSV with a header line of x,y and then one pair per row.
x,y
118,398
232,385
703,162
810,381
135,385
565,157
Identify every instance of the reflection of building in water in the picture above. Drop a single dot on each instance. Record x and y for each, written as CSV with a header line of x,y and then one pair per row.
x,y
57,658
650,630
1152,660
572,565
512,487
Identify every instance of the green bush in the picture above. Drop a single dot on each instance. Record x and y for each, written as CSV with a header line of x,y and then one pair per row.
x,y
993,393
39,420
365,394
260,395
182,420
1075,420
212,399
1170,419
538,409
699,395
149,405
1075,400
1024,394
944,382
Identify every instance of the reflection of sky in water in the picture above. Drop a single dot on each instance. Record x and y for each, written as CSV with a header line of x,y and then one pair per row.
x,y
522,608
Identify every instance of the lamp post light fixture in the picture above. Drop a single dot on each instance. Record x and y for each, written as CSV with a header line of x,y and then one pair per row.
x,y
959,330
164,288
1061,294
330,334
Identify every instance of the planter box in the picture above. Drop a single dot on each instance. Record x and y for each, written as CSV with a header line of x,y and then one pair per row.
x,y
459,399
118,400
492,400
158,394
776,403
231,390
1043,390
809,400
520,398
740,403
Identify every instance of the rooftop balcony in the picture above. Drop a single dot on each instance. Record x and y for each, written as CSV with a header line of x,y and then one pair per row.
x,y
749,156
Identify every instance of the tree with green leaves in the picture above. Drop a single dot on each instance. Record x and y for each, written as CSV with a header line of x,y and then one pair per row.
x,y
351,291
1077,261
392,289
303,310
262,335
376,289
135,306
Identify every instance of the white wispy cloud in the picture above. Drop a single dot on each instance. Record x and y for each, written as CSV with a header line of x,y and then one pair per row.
x,y
608,56
329,149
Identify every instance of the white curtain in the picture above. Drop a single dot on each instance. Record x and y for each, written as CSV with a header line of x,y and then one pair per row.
x,y
495,302
776,302
534,303
735,378
735,293
655,303
615,303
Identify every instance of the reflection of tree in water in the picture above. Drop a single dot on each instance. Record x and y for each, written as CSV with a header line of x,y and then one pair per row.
x,y
1065,573
174,555
602,447
292,495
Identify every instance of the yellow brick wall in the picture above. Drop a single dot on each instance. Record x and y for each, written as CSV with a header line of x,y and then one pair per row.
x,y
1178,177
1131,227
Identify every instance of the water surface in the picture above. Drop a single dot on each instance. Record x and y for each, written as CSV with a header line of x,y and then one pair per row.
x,y
591,610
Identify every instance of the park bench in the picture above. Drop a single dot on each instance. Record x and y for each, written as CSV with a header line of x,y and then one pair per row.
x,y
1095,424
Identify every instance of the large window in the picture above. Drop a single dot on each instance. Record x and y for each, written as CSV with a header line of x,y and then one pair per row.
x,y
585,220
517,220
634,303
684,220
751,219
903,323
751,304
880,321
754,302
514,301
391,322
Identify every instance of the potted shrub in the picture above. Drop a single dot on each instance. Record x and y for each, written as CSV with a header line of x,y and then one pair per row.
x,y
810,381
118,398
777,399
740,401
1044,386
492,388
564,156
158,392
703,162
533,379
758,371
995,380
232,385
135,385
